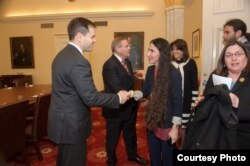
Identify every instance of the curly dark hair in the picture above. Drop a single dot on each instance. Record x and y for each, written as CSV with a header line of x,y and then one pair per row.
x,y
157,109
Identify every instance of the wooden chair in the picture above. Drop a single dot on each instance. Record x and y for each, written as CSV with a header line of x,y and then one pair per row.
x,y
36,128
12,130
22,81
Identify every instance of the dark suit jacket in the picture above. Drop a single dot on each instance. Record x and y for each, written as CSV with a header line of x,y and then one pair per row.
x,y
73,92
240,89
116,78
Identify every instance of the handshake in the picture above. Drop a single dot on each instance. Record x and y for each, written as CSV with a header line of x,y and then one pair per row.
x,y
125,95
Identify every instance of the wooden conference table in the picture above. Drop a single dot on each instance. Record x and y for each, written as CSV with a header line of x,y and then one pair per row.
x,y
12,121
13,94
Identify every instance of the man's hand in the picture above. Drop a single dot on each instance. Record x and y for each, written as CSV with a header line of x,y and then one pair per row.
x,y
124,96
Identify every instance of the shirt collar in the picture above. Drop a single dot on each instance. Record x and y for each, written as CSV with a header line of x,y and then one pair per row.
x,y
79,49
118,57
242,39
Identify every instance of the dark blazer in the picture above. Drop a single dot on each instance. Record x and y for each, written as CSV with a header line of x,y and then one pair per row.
x,y
116,78
174,96
149,82
240,89
73,92
190,80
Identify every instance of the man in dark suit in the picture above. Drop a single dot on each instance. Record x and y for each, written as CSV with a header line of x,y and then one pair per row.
x,y
118,75
73,93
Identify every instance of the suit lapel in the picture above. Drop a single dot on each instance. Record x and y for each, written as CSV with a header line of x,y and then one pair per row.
x,y
130,69
121,66
244,78
77,53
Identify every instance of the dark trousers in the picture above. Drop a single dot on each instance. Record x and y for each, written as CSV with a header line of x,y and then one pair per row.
x,y
161,153
71,154
114,129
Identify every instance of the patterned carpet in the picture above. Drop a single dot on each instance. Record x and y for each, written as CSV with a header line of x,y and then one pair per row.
x,y
96,146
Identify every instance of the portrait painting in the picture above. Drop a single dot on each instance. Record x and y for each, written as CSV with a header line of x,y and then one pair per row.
x,y
136,40
22,52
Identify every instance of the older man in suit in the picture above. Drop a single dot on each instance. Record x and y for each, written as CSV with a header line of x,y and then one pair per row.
x,y
118,75
73,93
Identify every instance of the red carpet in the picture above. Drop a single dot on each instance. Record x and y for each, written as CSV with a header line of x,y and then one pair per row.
x,y
96,146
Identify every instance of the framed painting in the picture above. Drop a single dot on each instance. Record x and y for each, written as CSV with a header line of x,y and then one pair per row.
x,y
21,49
196,44
136,40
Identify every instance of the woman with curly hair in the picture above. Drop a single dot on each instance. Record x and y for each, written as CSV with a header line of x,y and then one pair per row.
x,y
162,92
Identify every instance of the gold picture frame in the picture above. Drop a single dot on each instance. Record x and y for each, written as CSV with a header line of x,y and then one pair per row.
x,y
196,44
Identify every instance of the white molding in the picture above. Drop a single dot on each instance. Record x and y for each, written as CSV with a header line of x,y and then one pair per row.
x,y
173,8
63,16
175,22
217,44
223,6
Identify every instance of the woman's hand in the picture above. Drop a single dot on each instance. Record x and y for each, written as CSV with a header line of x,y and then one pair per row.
x,y
198,100
173,134
235,100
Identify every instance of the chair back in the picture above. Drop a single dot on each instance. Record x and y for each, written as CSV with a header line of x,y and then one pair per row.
x,y
12,128
22,81
41,116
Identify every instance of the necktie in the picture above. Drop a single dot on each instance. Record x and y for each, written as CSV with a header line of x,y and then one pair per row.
x,y
125,65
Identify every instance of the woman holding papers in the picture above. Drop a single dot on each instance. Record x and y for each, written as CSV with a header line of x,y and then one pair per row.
x,y
234,64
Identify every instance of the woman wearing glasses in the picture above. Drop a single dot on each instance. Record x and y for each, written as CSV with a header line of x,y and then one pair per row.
x,y
233,63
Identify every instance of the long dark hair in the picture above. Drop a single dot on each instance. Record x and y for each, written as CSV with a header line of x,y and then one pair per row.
x,y
157,109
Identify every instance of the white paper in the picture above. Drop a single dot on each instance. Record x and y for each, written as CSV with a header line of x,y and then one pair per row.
x,y
218,80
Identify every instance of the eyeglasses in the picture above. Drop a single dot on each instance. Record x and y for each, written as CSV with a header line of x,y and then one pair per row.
x,y
236,54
